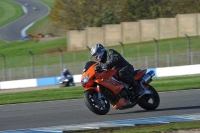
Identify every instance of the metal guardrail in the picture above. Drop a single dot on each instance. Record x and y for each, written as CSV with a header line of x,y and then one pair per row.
x,y
76,67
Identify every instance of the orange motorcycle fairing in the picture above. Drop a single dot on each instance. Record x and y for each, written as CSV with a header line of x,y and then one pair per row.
x,y
90,73
140,74
110,82
120,103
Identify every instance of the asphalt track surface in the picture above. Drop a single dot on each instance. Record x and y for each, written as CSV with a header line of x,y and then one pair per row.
x,y
68,112
12,31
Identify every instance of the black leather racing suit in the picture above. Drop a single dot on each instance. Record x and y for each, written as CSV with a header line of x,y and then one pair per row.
x,y
112,59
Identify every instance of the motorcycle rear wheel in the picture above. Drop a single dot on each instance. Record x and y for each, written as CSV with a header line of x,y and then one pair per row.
x,y
145,103
99,107
64,85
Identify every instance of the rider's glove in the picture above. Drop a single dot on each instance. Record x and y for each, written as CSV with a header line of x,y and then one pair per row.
x,y
104,67
98,68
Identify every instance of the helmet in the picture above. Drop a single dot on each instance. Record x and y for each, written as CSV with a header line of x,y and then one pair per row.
x,y
97,51
65,70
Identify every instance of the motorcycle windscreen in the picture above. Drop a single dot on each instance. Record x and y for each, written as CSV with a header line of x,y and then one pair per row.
x,y
88,65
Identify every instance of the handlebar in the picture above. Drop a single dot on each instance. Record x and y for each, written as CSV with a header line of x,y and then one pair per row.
x,y
101,70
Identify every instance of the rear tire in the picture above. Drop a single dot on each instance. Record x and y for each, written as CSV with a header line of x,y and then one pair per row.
x,y
99,107
145,103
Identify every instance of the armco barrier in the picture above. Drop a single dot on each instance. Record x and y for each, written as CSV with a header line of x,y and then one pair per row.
x,y
55,80
178,70
19,84
159,72
47,81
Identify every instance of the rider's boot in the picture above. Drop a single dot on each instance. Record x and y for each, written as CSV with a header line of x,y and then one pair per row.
x,y
138,90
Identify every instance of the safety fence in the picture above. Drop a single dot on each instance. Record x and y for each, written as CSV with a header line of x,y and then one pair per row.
x,y
159,72
30,72
30,66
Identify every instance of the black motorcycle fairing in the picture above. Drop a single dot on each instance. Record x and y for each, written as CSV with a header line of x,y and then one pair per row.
x,y
88,65
109,94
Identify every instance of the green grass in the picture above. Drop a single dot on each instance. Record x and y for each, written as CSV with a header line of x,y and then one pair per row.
x,y
41,26
46,53
176,83
17,53
50,3
21,48
156,128
9,11
160,84
2,42
165,46
42,95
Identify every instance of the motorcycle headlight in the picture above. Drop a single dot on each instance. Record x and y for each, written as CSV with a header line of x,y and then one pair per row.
x,y
85,79
66,80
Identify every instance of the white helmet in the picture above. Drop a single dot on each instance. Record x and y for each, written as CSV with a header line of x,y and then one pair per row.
x,y
65,69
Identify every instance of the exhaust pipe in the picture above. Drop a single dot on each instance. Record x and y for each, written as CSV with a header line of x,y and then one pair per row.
x,y
147,77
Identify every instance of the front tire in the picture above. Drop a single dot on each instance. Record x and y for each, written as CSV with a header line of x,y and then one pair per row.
x,y
97,106
62,85
150,101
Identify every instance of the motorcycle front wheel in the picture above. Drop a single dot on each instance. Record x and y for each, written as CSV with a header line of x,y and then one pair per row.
x,y
97,106
62,85
150,101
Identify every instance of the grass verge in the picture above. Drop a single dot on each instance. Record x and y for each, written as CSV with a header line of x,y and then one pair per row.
x,y
50,3
9,11
161,128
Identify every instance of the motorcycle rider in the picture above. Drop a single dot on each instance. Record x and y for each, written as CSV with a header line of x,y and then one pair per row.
x,y
65,72
110,58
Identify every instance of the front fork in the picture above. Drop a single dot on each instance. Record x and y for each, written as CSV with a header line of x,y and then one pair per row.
x,y
100,96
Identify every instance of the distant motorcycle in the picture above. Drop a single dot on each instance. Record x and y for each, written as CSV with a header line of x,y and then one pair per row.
x,y
103,87
66,81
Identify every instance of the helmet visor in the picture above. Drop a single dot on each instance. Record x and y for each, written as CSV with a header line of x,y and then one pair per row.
x,y
98,54
95,55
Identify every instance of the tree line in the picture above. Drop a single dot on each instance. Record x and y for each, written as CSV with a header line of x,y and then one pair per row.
x,y
78,14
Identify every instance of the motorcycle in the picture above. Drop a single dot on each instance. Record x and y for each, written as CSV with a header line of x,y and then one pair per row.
x,y
66,81
103,87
